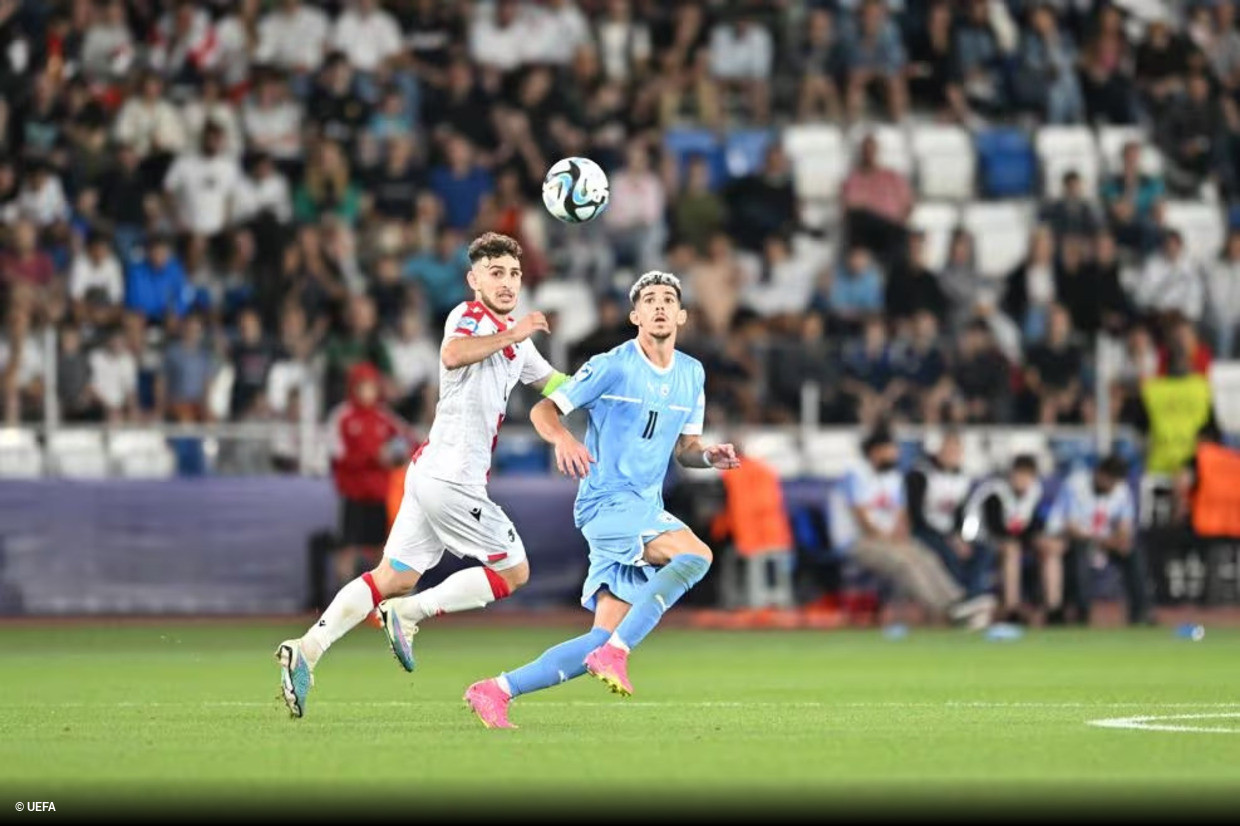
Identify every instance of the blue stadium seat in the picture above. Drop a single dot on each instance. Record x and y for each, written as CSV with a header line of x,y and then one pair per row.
x,y
1006,163
745,151
685,144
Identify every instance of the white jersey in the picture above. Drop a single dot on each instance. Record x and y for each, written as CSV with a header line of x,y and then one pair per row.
x,y
472,399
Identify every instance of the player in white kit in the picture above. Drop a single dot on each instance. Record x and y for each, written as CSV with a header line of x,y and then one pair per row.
x,y
484,354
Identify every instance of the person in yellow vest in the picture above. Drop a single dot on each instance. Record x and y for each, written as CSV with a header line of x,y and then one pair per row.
x,y
1176,407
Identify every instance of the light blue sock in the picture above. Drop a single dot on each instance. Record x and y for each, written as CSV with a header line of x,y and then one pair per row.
x,y
556,665
670,584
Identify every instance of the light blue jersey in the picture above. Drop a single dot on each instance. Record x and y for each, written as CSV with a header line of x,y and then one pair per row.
x,y
637,412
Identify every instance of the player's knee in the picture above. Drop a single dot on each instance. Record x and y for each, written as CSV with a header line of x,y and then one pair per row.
x,y
391,582
697,547
516,576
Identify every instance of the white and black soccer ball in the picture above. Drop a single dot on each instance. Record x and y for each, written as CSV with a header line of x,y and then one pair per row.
x,y
576,190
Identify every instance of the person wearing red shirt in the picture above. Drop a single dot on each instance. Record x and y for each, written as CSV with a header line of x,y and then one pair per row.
x,y
1184,342
368,440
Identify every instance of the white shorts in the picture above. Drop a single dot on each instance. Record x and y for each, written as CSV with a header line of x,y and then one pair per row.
x,y
435,515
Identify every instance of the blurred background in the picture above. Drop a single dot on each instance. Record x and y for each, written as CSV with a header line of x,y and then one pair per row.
x,y
1011,220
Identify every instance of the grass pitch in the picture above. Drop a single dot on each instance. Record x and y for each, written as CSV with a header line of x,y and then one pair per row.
x,y
103,720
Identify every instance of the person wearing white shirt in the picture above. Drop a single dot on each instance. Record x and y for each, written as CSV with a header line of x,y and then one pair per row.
x,y
202,187
293,37
96,271
558,30
265,190
114,377
1223,292
415,368
210,106
624,43
872,525
149,123
634,218
238,38
272,122
1094,517
367,34
107,46
1171,281
499,35
742,55
42,198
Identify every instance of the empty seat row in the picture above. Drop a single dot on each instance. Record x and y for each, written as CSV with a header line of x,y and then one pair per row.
x,y
83,453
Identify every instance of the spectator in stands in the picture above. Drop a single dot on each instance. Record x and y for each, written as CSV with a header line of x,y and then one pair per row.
x,y
95,278
150,124
634,218
1162,61
1072,214
441,274
1002,516
931,63
113,381
369,38
871,382
876,202
211,107
392,119
1114,308
912,287
805,357
272,123
624,42
741,59
979,64
108,45
1047,69
1223,297
960,280
264,195
762,204
921,365
855,292
415,369
293,37
878,537
698,212
981,376
327,187
123,192
155,285
1106,75
1170,281
203,187
499,36
937,492
1076,289
252,357
1130,197
1030,290
393,188
1214,32
1053,372
460,184
874,58
1189,134
715,283
188,368
335,104
360,342
237,36
23,264
1184,347
817,63
73,393
41,198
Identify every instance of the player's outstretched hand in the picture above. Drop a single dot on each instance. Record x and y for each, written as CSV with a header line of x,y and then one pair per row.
x,y
722,457
530,324
573,459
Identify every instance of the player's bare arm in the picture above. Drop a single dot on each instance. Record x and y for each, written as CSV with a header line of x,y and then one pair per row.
x,y
571,456
466,350
690,452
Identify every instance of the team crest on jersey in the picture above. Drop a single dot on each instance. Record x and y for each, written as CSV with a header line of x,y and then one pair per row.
x,y
664,390
467,324
583,373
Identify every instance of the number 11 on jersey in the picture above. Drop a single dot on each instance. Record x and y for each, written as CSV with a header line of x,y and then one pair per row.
x,y
651,420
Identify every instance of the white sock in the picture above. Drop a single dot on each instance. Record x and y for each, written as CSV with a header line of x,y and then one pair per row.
x,y
618,643
502,682
350,606
463,591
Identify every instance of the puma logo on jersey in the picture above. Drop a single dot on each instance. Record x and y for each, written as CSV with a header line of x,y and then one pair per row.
x,y
476,513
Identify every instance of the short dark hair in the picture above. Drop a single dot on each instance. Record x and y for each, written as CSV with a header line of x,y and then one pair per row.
x,y
1114,467
1025,462
493,245
880,436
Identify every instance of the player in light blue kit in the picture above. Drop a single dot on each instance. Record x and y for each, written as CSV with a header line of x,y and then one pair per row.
x,y
645,403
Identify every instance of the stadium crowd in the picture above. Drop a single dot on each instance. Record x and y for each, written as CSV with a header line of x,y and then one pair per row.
x,y
276,186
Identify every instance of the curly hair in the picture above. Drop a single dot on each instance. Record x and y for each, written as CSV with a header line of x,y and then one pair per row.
x,y
653,278
493,245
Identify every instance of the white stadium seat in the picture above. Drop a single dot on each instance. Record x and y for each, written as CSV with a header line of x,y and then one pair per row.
x,y
1005,445
1201,225
1111,143
831,453
938,222
893,148
20,455
819,160
141,454
77,454
778,448
1062,149
1000,235
1225,387
575,304
946,162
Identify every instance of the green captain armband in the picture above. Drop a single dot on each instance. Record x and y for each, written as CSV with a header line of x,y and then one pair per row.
x,y
553,382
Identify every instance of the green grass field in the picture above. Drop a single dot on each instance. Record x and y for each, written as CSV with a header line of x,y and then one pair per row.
x,y
93,719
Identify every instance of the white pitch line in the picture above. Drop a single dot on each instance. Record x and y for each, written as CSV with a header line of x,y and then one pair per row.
x,y
1151,723
950,704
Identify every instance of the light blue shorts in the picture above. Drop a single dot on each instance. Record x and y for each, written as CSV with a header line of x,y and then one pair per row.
x,y
617,536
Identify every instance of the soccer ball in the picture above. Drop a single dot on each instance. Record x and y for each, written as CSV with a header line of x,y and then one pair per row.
x,y
576,190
